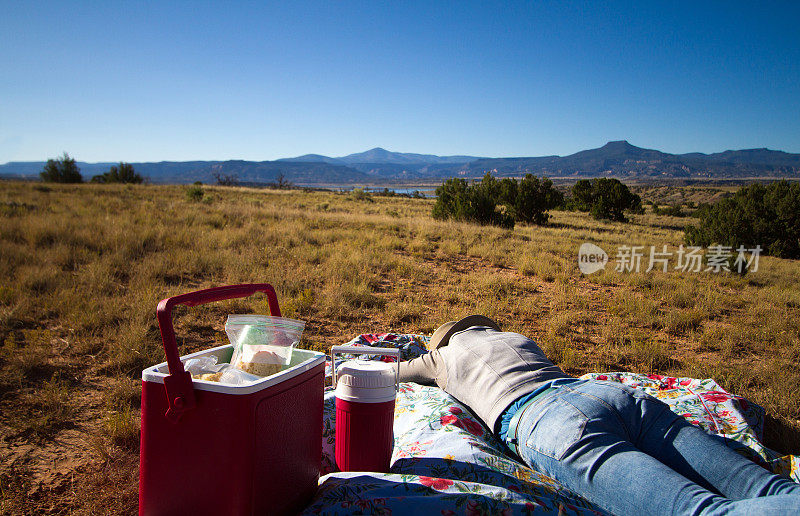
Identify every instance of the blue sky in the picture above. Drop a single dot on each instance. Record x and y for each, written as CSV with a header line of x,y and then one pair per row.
x,y
135,81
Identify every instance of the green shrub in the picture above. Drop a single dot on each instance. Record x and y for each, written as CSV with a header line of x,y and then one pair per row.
x,y
63,170
768,216
470,203
534,198
499,203
122,174
605,198
674,210
195,193
359,194
702,208
583,195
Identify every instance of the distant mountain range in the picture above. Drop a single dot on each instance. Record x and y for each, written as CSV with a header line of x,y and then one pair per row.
x,y
623,160
385,157
379,166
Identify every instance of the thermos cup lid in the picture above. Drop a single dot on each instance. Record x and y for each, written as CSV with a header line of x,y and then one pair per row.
x,y
366,381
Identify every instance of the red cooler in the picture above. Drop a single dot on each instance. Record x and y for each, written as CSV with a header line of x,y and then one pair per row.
x,y
211,448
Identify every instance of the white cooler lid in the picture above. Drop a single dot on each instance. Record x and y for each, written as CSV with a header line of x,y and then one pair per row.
x,y
366,381
302,360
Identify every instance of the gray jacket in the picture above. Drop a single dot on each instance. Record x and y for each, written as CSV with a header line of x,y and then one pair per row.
x,y
485,369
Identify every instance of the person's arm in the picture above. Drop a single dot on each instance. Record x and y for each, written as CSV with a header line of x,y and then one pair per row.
x,y
423,370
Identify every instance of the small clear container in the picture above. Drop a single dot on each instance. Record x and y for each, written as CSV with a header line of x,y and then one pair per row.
x,y
262,344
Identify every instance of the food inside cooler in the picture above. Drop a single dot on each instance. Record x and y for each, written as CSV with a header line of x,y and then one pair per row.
x,y
262,347
261,363
262,344
206,368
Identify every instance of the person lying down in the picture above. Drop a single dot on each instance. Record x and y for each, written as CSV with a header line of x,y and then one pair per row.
x,y
616,446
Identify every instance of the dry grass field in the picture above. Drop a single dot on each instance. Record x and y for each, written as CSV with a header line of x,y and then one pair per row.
x,y
84,266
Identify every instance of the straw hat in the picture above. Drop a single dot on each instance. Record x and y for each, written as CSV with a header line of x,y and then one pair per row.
x,y
441,336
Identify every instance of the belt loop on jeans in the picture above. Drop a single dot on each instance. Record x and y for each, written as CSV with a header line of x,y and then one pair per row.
x,y
511,436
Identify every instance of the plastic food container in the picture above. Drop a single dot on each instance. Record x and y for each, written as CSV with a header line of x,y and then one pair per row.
x,y
262,344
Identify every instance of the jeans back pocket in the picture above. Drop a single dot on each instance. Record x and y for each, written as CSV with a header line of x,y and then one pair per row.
x,y
557,427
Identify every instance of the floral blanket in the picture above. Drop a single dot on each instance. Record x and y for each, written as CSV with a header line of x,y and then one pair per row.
x,y
445,461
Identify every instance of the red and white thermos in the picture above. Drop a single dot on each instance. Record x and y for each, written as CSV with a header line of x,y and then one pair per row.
x,y
365,396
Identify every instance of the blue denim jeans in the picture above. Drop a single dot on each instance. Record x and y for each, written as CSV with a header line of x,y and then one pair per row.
x,y
628,453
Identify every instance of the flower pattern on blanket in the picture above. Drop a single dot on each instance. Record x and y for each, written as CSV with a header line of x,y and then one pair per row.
x,y
706,404
445,461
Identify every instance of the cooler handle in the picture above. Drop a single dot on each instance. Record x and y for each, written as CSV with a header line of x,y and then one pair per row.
x,y
366,350
178,385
